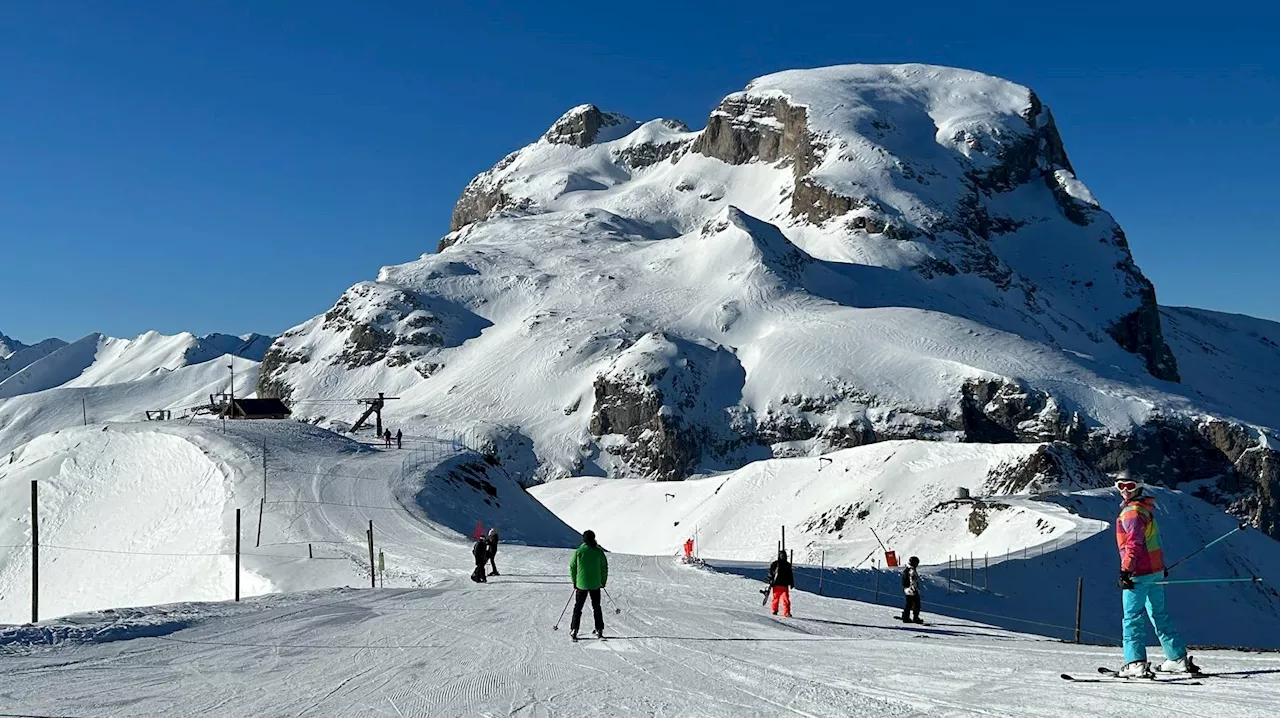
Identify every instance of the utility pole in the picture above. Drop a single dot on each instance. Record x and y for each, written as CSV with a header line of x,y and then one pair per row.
x,y
84,410
231,404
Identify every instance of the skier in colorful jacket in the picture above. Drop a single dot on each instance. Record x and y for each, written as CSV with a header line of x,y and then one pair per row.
x,y
1141,567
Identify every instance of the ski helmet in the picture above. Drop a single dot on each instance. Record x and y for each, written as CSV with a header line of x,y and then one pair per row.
x,y
589,537
493,532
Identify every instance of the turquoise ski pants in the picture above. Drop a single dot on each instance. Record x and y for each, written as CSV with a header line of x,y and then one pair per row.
x,y
1146,599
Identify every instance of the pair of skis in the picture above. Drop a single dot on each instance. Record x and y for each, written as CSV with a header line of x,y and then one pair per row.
x,y
1110,675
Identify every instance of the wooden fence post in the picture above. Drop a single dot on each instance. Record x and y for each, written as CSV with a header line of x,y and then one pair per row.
x,y
35,556
822,569
373,574
237,554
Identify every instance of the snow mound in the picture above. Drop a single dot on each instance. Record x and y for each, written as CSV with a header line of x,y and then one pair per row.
x,y
102,491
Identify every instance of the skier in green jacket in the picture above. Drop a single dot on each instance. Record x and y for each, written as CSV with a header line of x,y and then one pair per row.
x,y
589,571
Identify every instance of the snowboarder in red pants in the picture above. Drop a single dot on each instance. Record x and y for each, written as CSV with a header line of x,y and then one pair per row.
x,y
781,581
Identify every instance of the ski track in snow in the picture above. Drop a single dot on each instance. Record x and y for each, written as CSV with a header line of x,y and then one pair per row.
x,y
687,641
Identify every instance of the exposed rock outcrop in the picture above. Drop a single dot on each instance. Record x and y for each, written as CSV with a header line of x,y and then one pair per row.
x,y
582,126
662,397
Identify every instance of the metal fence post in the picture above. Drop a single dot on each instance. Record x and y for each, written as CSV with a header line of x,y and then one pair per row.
x,y
1079,604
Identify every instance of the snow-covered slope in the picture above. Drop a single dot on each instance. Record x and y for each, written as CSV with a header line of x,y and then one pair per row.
x,y
143,513
1229,359
1034,523
684,643
15,356
841,256
98,360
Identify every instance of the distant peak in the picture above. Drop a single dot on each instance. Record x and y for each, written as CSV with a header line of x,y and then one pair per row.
x,y
585,125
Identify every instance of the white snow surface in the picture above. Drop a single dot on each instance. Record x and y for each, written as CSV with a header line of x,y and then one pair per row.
x,y
1229,359
685,642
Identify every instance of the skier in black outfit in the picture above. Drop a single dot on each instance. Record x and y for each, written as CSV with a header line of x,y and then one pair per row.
x,y
492,550
781,581
480,552
911,587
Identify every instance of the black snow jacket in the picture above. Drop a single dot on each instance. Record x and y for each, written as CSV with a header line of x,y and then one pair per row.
x,y
480,551
780,574
492,543
911,581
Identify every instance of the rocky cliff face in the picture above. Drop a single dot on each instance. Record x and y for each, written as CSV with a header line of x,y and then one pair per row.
x,y
841,256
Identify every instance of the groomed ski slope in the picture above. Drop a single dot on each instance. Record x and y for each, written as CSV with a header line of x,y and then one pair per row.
x,y
686,643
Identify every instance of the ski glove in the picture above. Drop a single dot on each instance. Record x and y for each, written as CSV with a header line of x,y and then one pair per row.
x,y
1126,580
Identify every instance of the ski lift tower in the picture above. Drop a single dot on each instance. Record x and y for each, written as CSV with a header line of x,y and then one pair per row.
x,y
375,405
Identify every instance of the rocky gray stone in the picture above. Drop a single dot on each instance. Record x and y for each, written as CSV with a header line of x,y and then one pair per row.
x,y
581,126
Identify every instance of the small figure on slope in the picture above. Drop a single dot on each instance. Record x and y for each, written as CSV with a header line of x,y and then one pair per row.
x,y
911,588
589,571
386,438
479,552
399,439
781,581
491,550
1141,566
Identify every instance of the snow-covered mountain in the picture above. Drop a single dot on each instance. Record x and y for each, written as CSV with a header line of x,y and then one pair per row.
x,y
841,256
15,356
105,379
98,360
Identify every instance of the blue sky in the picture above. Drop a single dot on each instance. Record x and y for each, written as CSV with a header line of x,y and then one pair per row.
x,y
234,166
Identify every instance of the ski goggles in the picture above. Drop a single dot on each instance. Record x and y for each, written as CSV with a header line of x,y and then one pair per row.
x,y
1127,485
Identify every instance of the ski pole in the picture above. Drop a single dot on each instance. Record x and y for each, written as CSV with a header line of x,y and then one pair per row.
x,y
1251,579
1243,525
615,603
566,608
